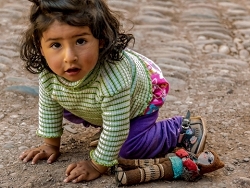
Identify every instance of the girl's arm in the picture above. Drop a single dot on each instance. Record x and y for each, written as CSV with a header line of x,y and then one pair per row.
x,y
116,111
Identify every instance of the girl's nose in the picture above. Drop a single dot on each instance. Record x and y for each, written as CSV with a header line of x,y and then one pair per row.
x,y
70,56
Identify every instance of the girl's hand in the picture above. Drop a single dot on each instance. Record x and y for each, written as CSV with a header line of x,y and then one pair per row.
x,y
84,170
45,151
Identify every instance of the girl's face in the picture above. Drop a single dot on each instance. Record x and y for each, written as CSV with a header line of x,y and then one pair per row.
x,y
71,52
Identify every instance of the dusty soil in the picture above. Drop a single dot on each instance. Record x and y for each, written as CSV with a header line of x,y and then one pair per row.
x,y
203,49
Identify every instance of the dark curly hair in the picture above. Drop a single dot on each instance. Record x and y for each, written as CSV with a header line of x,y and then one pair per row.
x,y
92,13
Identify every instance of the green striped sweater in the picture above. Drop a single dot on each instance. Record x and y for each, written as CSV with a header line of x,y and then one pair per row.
x,y
109,96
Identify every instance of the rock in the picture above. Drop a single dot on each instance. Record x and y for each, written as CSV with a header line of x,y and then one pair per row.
x,y
230,167
224,49
24,89
3,67
68,128
246,159
244,54
22,148
244,181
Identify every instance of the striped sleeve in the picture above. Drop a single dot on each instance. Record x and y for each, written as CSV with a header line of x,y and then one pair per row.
x,y
50,114
115,128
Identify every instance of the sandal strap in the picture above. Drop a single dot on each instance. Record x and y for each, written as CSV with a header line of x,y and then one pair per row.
x,y
186,121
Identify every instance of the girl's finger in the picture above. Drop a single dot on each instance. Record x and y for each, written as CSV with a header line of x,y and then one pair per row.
x,y
29,155
41,155
23,155
70,168
80,178
52,158
72,176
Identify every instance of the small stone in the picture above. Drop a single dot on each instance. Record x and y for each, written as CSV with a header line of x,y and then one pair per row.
x,y
244,181
8,146
14,116
246,159
230,91
23,124
224,49
24,89
230,167
22,148
13,174
237,40
243,54
2,116
201,37
3,67
208,48
68,128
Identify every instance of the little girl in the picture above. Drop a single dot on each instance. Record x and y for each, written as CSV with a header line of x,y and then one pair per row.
x,y
87,75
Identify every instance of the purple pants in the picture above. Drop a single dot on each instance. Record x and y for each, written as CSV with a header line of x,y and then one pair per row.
x,y
147,138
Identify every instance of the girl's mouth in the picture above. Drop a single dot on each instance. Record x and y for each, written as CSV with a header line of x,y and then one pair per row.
x,y
72,71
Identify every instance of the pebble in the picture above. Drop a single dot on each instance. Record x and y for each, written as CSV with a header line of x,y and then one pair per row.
x,y
202,38
242,24
246,159
8,146
161,28
230,167
169,61
185,44
14,116
244,54
151,20
172,98
175,68
1,116
24,89
244,181
214,35
9,53
208,48
3,67
124,4
236,62
69,128
5,60
13,174
22,148
224,49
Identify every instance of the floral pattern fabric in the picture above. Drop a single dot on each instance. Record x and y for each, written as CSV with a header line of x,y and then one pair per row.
x,y
160,87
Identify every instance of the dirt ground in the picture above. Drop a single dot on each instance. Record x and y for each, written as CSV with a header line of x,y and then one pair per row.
x,y
203,49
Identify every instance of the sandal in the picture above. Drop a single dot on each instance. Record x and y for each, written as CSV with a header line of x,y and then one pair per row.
x,y
193,135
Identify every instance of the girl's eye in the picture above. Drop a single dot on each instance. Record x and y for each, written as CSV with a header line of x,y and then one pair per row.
x,y
56,45
80,41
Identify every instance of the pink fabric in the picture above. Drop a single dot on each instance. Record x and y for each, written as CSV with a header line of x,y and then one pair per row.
x,y
160,87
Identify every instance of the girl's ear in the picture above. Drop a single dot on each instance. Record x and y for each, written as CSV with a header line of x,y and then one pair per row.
x,y
101,43
41,50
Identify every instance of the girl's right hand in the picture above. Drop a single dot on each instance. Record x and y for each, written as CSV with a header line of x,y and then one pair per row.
x,y
45,151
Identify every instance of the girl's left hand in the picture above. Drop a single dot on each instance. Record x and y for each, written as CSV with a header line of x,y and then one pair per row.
x,y
83,170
